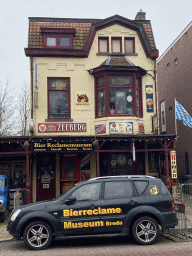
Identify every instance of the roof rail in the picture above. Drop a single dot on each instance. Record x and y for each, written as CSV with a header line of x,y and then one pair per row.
x,y
122,176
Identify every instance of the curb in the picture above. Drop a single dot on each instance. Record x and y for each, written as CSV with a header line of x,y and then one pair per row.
x,y
6,239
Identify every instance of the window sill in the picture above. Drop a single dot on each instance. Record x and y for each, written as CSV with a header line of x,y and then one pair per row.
x,y
58,120
117,54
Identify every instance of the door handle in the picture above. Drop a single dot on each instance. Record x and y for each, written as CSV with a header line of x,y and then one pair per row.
x,y
133,202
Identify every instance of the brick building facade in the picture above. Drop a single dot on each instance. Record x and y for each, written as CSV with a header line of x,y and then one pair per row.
x,y
174,82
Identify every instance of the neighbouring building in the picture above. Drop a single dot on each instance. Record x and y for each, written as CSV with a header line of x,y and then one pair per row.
x,y
174,81
94,108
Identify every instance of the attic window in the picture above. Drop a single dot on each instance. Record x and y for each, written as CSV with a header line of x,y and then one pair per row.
x,y
116,45
103,44
58,38
129,45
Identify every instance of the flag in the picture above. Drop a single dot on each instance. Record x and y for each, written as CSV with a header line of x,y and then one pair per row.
x,y
182,114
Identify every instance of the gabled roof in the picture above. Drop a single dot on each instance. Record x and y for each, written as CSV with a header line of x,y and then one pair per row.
x,y
175,41
84,36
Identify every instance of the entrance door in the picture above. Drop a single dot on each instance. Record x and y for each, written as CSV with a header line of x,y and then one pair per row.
x,y
45,176
70,172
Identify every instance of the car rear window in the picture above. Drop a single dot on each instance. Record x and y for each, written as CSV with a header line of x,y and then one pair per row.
x,y
119,189
141,186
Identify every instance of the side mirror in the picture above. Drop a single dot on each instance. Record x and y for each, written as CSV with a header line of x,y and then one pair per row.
x,y
71,200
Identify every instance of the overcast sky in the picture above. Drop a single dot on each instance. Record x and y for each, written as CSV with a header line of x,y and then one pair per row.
x,y
168,19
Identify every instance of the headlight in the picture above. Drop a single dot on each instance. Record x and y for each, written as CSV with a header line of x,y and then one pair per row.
x,y
1,202
15,214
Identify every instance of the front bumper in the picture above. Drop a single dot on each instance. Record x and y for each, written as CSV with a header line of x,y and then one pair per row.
x,y
11,228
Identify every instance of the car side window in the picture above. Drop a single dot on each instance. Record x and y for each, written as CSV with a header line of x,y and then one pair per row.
x,y
87,192
141,186
119,189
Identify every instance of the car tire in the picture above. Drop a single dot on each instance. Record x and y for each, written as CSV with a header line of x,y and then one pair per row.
x,y
145,230
37,235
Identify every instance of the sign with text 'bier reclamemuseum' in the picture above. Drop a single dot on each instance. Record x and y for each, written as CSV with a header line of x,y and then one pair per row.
x,y
61,146
61,127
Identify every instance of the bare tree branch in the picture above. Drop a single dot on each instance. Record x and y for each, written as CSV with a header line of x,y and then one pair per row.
x,y
24,110
7,110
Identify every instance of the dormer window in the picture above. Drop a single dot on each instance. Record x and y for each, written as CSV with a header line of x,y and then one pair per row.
x,y
116,45
58,38
129,45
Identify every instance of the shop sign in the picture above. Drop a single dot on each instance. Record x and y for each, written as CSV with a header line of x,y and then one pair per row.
x,y
125,128
60,146
61,127
100,128
173,164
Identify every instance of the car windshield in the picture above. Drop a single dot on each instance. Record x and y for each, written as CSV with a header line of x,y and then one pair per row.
x,y
1,183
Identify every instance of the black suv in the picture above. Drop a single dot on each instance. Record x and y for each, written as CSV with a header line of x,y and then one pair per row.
x,y
117,205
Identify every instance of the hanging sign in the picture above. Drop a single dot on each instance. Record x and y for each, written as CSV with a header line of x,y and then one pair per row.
x,y
61,127
173,164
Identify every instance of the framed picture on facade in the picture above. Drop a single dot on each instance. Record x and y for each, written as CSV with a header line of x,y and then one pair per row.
x,y
163,117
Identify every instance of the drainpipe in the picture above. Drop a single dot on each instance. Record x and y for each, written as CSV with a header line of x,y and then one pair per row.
x,y
155,75
31,68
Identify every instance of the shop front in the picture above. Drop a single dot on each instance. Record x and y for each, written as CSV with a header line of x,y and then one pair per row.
x,y
44,168
59,164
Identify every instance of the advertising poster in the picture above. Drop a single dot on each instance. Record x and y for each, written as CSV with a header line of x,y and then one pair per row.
x,y
149,98
100,128
61,127
123,128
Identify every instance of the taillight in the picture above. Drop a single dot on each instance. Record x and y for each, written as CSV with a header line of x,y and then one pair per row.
x,y
172,204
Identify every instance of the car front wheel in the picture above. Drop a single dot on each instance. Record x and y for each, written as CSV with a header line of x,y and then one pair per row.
x,y
145,230
37,235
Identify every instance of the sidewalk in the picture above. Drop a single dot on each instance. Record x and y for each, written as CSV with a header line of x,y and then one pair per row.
x,y
4,235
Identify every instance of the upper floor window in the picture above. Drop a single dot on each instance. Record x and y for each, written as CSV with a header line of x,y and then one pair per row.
x,y
59,97
103,45
129,45
116,45
58,38
118,95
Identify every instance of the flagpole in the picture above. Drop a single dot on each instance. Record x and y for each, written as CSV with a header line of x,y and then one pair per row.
x,y
175,121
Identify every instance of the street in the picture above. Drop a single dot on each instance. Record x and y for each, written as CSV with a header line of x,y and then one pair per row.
x,y
101,246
